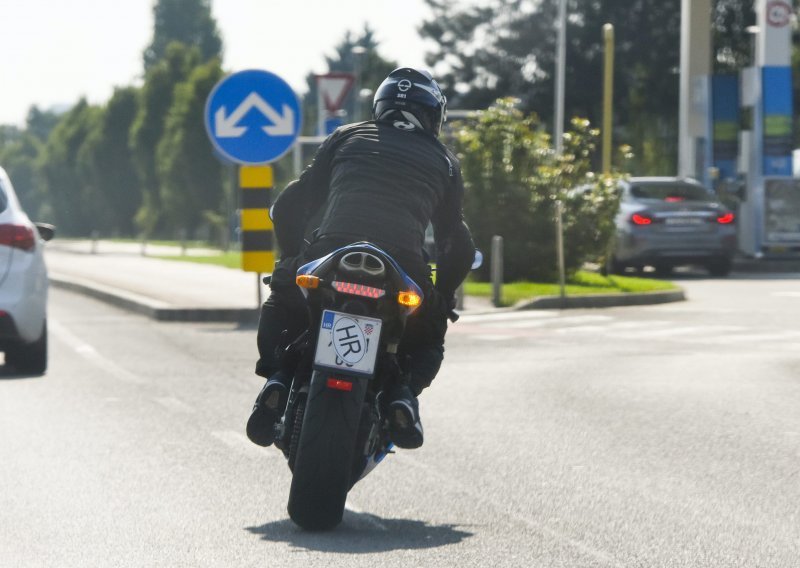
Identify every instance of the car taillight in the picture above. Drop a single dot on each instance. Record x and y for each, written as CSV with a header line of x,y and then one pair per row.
x,y
357,289
638,219
17,236
726,219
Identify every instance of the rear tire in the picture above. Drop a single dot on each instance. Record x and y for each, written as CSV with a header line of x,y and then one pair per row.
x,y
30,358
663,270
324,461
720,267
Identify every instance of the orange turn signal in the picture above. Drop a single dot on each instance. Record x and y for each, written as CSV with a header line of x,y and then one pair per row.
x,y
409,299
307,281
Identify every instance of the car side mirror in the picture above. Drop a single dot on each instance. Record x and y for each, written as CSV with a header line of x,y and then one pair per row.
x,y
46,231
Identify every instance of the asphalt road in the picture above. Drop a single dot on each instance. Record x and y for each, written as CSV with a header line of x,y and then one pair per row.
x,y
644,436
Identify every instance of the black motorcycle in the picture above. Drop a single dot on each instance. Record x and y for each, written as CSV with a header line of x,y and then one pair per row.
x,y
334,430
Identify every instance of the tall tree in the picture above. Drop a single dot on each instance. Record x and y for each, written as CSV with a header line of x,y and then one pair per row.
x,y
186,21
191,177
20,160
359,55
733,44
155,101
40,123
70,195
508,47
106,161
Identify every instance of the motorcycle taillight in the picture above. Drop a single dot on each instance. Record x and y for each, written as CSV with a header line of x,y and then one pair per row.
x,y
358,289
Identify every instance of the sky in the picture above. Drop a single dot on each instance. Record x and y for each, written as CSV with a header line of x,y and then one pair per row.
x,y
53,52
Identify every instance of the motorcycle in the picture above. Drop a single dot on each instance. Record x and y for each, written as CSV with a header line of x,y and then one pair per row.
x,y
334,430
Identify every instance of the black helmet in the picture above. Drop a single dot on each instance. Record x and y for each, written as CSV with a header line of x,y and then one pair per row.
x,y
412,91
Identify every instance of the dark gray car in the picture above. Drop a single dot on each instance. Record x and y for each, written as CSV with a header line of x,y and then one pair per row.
x,y
664,222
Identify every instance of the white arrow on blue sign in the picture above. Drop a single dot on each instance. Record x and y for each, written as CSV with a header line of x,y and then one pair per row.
x,y
252,117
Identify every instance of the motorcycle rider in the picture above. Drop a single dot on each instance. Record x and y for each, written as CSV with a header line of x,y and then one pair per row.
x,y
380,181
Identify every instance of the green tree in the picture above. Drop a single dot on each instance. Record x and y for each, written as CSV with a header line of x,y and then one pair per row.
x,y
513,178
359,55
20,152
41,123
733,44
71,197
191,177
508,48
155,100
20,160
106,161
185,21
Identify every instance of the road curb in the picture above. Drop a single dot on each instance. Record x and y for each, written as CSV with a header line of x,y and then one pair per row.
x,y
162,311
154,309
601,300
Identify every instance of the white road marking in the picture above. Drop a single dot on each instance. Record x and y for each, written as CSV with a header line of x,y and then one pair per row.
x,y
564,320
175,405
496,337
786,294
90,354
522,314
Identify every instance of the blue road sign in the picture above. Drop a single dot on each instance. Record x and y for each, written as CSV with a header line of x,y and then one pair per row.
x,y
252,117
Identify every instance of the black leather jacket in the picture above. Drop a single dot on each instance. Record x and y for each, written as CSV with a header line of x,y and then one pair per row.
x,y
376,182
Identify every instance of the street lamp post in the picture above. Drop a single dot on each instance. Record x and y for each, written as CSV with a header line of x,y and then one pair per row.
x,y
608,94
558,126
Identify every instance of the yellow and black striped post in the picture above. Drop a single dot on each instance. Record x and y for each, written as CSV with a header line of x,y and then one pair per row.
x,y
258,242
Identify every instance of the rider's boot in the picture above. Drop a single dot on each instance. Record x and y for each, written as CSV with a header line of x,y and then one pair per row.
x,y
268,409
405,427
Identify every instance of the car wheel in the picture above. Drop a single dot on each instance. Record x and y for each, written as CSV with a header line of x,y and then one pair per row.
x,y
612,266
663,270
30,358
720,267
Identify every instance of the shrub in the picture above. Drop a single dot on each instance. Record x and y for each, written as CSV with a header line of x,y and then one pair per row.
x,y
513,179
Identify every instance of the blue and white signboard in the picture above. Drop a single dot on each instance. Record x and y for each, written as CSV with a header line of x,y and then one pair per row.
x,y
252,117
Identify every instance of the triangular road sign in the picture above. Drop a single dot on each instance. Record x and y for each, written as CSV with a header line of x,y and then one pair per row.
x,y
334,88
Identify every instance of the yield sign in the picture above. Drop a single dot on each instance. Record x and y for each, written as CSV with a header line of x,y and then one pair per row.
x,y
333,88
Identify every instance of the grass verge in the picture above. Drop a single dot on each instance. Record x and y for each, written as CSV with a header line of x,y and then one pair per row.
x,y
582,283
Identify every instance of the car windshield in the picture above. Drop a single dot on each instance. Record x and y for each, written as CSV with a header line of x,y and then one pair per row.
x,y
670,192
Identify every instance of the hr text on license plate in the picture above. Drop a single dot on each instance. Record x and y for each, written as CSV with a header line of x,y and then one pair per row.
x,y
348,342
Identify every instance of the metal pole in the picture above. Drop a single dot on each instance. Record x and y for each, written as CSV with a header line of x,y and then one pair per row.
x,y
259,297
497,270
297,155
558,126
560,251
322,112
608,94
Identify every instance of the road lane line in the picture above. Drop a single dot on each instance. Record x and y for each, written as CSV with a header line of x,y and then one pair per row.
x,y
89,353
564,320
524,314
175,405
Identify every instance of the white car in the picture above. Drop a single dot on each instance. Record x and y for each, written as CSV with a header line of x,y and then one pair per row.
x,y
23,285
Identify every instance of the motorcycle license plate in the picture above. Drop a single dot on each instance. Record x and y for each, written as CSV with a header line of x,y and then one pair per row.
x,y
348,343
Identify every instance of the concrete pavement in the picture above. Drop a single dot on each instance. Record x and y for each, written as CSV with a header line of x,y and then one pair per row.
x,y
118,273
